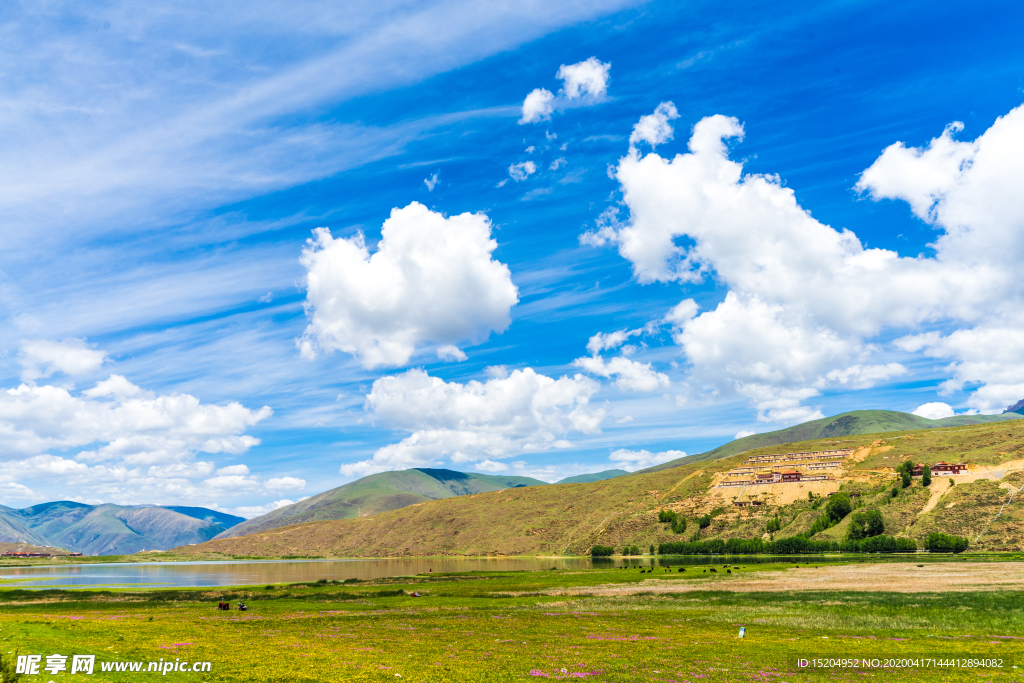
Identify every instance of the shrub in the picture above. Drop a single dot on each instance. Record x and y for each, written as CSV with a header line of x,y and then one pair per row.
x,y
895,491
667,516
704,522
774,524
906,479
838,506
865,525
679,525
943,543
926,476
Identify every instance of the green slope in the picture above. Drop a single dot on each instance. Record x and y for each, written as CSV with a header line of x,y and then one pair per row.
x,y
847,424
593,476
380,493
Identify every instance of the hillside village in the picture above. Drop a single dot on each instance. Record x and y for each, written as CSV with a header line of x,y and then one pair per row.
x,y
971,498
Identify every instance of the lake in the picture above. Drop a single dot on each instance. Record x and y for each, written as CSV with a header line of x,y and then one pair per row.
x,y
257,572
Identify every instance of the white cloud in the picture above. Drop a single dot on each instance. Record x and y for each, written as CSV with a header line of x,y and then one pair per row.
x,y
934,411
603,341
584,79
476,421
490,466
285,484
131,426
744,433
804,300
654,129
121,443
631,461
431,182
250,511
630,375
451,353
522,170
557,163
862,376
538,106
432,279
41,358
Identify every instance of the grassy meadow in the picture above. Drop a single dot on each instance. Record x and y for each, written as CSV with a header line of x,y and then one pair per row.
x,y
603,624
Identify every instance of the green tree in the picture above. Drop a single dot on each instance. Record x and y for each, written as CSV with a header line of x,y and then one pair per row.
x,y
906,479
865,524
838,506
774,524
926,476
602,551
704,522
895,491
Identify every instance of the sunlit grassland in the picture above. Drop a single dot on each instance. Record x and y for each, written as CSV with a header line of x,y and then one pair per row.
x,y
502,627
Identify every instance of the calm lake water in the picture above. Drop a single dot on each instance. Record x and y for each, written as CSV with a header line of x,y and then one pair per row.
x,y
256,572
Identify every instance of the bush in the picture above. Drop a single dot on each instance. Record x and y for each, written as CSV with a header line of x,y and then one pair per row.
x,y
704,522
926,476
677,522
667,516
774,524
943,543
906,479
602,551
838,507
865,525
895,491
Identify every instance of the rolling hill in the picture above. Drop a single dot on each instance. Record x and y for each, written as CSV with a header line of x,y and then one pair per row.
x,y
568,519
596,476
380,493
110,529
847,424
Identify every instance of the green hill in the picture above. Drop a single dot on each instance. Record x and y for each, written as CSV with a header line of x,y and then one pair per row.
x,y
594,476
110,529
380,493
570,518
848,424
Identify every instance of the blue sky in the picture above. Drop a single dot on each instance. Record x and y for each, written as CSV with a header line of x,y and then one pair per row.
x,y
164,168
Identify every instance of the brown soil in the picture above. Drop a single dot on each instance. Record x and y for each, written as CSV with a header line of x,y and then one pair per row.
x,y
903,578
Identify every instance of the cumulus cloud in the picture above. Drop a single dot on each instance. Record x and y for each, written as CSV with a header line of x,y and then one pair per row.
x,y
630,375
934,411
538,106
804,300
431,182
477,421
490,466
522,170
588,78
42,357
285,484
117,440
654,129
585,82
603,341
431,279
631,461
451,353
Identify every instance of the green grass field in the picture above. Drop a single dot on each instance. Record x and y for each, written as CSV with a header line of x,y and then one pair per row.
x,y
504,627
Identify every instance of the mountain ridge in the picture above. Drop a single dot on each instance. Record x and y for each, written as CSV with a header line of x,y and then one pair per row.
x,y
110,529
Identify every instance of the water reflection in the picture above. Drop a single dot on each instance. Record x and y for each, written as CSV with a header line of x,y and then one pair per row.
x,y
255,572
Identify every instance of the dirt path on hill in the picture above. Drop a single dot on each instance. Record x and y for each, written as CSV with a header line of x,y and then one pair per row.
x,y
903,578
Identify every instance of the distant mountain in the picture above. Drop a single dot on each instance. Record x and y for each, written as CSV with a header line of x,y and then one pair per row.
x,y
1017,407
380,493
111,529
594,476
848,424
